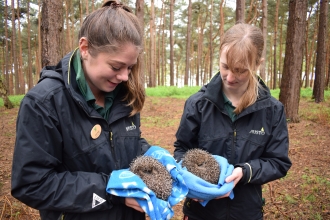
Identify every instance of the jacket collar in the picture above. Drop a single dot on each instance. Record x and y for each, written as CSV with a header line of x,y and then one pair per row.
x,y
213,92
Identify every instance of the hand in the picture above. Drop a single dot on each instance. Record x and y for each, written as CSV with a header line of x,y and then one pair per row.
x,y
236,176
198,200
131,202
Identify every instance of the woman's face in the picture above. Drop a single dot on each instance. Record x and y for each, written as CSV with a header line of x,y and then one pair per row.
x,y
237,81
106,70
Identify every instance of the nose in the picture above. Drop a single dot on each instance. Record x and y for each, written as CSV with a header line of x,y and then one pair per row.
x,y
123,75
231,77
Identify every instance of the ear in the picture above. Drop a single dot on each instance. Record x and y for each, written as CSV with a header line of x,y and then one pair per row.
x,y
83,47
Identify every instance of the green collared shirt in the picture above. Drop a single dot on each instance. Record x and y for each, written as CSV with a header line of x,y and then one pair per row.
x,y
229,107
86,91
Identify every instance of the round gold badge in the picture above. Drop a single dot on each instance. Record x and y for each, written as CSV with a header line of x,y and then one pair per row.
x,y
96,131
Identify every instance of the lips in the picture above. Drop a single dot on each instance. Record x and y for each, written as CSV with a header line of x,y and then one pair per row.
x,y
231,83
112,84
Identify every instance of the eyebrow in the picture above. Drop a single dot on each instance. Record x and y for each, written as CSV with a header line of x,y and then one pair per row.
x,y
121,63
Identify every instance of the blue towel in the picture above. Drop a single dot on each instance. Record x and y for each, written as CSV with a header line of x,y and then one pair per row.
x,y
203,190
124,183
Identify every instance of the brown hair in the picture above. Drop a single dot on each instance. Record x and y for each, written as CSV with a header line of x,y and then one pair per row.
x,y
106,30
244,44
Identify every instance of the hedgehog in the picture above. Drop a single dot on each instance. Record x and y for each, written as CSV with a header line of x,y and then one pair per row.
x,y
202,164
154,175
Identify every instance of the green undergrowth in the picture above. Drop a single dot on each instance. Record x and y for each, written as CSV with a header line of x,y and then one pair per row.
x,y
15,100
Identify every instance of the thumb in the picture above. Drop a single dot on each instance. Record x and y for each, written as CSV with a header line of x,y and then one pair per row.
x,y
230,178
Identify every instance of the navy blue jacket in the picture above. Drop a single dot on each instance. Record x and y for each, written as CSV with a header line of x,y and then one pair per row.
x,y
58,168
258,136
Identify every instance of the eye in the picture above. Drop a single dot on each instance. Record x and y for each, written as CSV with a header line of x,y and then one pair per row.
x,y
240,71
225,66
114,68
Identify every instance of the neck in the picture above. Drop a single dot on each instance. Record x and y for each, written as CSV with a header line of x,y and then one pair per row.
x,y
234,95
99,98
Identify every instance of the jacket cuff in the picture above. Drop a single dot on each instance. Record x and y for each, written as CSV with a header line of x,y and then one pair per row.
x,y
247,172
116,200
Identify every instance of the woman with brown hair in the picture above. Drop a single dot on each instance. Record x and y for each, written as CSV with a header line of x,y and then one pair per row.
x,y
81,122
235,116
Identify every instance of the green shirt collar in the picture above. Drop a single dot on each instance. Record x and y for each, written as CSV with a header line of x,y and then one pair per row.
x,y
229,107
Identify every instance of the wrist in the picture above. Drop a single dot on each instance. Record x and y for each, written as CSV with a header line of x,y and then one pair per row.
x,y
247,172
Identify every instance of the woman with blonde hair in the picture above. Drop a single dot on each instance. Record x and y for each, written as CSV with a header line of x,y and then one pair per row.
x,y
234,116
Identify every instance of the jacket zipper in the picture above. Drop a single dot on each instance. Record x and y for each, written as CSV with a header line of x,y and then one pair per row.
x,y
112,148
232,159
232,149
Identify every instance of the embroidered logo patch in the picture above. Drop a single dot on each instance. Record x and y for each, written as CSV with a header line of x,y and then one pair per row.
x,y
97,200
261,132
130,128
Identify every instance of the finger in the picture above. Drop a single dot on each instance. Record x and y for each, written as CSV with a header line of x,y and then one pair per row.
x,y
138,208
229,179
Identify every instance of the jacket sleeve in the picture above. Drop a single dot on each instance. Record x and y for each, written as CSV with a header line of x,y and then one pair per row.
x,y
38,176
144,145
187,133
274,163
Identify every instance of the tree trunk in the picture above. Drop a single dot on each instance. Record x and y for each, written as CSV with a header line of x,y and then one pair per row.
x,y
87,8
264,33
201,74
139,11
152,68
51,32
327,78
171,43
275,42
163,48
20,57
188,43
222,22
159,49
13,48
68,35
281,51
290,85
6,60
81,12
307,57
270,73
321,54
211,42
39,59
29,72
311,56
240,10
250,15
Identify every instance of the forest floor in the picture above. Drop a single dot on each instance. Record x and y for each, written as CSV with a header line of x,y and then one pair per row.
x,y
303,194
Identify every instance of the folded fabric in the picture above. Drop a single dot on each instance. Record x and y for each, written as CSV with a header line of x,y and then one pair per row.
x,y
203,190
124,183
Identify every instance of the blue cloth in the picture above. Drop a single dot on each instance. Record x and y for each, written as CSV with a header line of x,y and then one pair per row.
x,y
203,190
124,183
